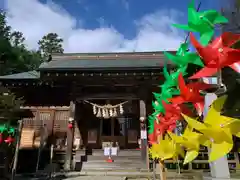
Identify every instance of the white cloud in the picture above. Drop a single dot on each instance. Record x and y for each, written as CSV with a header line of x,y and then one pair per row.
x,y
35,20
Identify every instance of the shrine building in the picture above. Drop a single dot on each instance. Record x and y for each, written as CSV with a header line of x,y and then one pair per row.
x,y
88,101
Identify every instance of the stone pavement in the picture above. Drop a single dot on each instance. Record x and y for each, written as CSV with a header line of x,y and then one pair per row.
x,y
96,178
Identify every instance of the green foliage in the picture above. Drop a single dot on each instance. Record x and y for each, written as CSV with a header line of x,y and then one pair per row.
x,y
9,107
50,44
14,56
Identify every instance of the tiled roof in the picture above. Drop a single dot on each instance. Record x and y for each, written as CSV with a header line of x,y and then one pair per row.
x,y
105,60
23,75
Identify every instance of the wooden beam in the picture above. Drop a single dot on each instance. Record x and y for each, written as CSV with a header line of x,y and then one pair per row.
x,y
70,136
143,129
107,96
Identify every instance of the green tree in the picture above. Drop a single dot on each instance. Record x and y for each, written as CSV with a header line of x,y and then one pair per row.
x,y
5,46
49,44
9,106
5,30
14,56
17,39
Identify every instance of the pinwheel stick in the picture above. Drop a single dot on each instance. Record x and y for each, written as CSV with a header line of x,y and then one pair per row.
x,y
162,170
198,8
163,175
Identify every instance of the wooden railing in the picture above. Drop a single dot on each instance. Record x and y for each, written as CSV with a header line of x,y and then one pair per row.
x,y
55,120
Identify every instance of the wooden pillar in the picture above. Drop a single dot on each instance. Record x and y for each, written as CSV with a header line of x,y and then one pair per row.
x,y
70,136
15,162
143,130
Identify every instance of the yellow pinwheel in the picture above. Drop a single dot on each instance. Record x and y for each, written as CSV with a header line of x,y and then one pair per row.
x,y
190,141
165,149
217,129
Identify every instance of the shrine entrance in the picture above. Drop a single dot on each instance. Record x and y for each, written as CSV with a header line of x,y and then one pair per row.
x,y
104,128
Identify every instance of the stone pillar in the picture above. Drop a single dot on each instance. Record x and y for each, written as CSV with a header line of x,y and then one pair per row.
x,y
70,136
219,168
143,130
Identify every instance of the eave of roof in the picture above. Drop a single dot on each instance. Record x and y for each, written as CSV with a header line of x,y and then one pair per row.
x,y
101,64
106,61
24,75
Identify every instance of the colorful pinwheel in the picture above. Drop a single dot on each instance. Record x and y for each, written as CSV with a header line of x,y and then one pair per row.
x,y
165,149
171,80
11,131
202,22
190,93
166,123
9,140
190,141
152,136
166,94
218,54
3,128
183,57
218,129
176,110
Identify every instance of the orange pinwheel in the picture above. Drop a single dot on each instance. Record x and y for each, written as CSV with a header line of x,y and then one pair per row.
x,y
217,54
190,93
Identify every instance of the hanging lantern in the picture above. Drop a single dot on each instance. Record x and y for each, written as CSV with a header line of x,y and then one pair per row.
x,y
70,125
70,122
9,140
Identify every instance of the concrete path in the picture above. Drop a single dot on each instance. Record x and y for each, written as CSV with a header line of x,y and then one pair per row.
x,y
96,178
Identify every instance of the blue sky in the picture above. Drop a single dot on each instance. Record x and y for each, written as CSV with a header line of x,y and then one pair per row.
x,y
123,13
103,25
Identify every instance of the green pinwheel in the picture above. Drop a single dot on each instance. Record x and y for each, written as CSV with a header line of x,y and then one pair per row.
x,y
158,107
183,57
151,120
166,94
171,80
3,128
202,22
11,131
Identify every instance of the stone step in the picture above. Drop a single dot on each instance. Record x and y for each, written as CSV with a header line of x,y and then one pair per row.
x,y
112,168
113,165
116,158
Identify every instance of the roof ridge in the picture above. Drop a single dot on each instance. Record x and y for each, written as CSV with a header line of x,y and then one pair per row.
x,y
109,56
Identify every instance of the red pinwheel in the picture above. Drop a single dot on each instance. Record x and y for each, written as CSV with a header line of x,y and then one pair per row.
x,y
217,54
153,137
190,93
167,123
9,140
176,110
1,137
